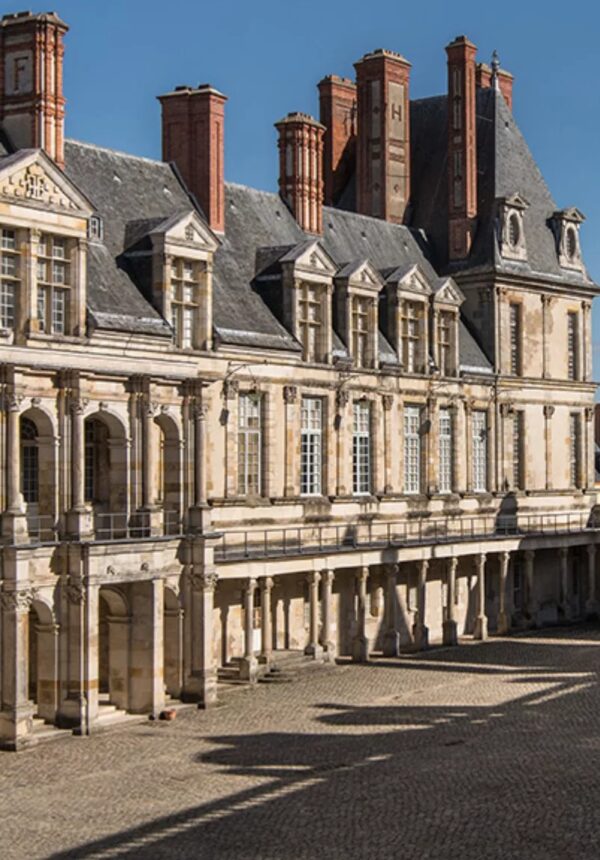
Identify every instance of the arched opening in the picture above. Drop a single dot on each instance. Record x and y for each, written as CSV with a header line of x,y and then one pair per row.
x,y
42,676
37,471
173,644
168,473
105,474
113,648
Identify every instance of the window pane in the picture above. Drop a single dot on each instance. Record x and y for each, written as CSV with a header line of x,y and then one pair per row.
x,y
479,427
249,445
59,315
445,453
412,449
311,451
361,447
7,304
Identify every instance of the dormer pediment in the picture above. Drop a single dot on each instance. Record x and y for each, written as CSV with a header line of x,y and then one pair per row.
x,y
185,234
409,279
447,292
515,201
310,259
31,179
360,275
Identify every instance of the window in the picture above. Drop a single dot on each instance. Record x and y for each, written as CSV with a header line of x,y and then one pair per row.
x,y
479,429
53,281
517,449
95,228
445,451
574,449
9,274
572,345
185,280
571,243
311,446
249,445
410,336
89,474
29,461
360,329
445,343
310,321
515,339
514,230
412,449
361,448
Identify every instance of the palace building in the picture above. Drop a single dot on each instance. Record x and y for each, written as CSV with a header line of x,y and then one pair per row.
x,y
351,418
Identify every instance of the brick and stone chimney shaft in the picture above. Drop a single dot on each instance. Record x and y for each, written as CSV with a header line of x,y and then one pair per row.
x,y
301,169
383,149
462,148
484,80
32,105
193,138
337,101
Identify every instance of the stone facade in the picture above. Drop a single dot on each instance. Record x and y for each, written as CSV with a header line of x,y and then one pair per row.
x,y
215,446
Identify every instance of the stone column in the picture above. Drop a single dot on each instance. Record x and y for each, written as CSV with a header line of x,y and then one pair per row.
x,y
249,663
432,446
146,648
503,615
420,630
481,622
266,650
391,637
313,648
290,396
14,524
532,605
16,711
329,647
591,606
387,402
199,514
343,488
564,583
548,413
450,631
360,643
79,518
200,670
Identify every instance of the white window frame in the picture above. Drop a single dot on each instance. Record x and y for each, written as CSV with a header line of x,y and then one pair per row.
x,y
361,448
185,289
311,446
479,451
445,440
412,449
574,437
10,269
249,444
53,283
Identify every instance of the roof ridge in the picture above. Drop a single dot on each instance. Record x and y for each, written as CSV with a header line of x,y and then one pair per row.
x,y
118,152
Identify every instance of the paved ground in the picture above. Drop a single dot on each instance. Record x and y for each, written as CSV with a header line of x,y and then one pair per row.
x,y
483,751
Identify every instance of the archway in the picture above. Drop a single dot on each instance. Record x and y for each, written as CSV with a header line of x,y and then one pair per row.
x,y
38,471
105,473
168,473
42,661
173,644
113,648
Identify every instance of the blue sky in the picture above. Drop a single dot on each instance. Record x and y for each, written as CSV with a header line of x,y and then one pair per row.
x,y
268,55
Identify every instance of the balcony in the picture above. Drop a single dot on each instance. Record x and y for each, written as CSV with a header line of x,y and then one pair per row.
x,y
106,527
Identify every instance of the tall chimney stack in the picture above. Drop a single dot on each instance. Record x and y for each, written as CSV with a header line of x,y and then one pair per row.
x,y
337,101
301,169
484,78
383,151
193,138
462,148
32,105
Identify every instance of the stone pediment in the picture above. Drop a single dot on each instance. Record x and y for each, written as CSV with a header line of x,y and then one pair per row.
x,y
448,293
360,274
30,177
310,257
410,279
187,230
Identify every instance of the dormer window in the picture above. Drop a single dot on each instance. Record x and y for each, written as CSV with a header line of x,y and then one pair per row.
x,y
511,229
446,299
185,287
310,320
360,330
95,229
412,323
566,224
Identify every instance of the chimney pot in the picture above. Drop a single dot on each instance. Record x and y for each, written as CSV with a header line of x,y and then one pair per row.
x,y
301,169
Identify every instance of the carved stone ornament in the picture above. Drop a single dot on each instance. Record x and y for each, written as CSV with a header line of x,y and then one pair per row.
x,y
387,401
548,410
36,401
17,601
200,410
231,388
341,398
13,401
589,413
506,409
75,592
203,581
32,183
110,571
78,404
290,393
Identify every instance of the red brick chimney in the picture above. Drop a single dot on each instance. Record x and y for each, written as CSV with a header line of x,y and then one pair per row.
x,y
383,149
32,106
301,169
337,101
484,78
505,84
462,148
192,137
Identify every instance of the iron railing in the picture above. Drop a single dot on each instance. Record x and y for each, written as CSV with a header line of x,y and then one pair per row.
x,y
267,543
42,528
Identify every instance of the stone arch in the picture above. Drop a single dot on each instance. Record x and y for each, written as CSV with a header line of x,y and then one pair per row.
x,y
38,481
43,660
113,647
173,643
167,444
106,463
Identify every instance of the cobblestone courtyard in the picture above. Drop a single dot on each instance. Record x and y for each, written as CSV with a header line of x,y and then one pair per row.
x,y
482,751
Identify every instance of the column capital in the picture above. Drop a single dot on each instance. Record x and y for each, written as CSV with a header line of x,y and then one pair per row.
x,y
266,583
290,393
204,580
200,411
313,578
362,574
453,563
250,584
424,564
387,401
529,554
589,413
392,570
19,600
548,411
505,556
328,576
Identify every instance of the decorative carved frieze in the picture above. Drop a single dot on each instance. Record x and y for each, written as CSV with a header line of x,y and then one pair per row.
x,y
19,600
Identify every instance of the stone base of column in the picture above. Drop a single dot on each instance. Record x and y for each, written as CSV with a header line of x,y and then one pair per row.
x,y
249,669
72,714
449,633
265,659
150,520
199,518
391,643
314,651
329,652
80,524
503,623
481,628
14,527
16,727
201,688
420,637
592,609
360,649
